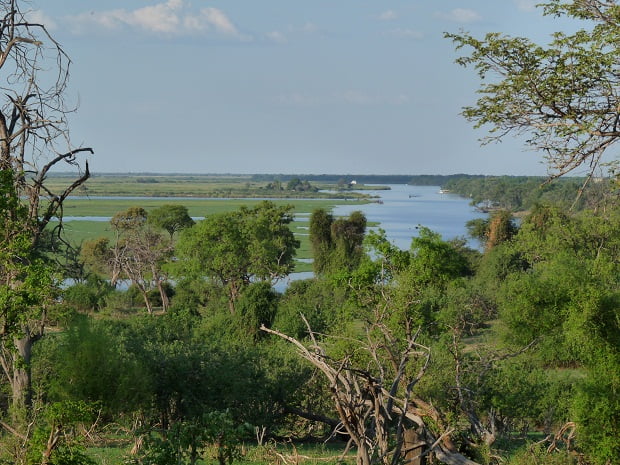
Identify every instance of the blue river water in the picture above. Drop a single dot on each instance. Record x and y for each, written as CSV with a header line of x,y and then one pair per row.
x,y
402,209
405,207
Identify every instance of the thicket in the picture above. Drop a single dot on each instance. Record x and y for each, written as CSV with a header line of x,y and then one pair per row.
x,y
512,353
521,193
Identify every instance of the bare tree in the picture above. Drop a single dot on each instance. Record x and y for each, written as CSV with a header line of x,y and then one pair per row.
x,y
376,404
34,140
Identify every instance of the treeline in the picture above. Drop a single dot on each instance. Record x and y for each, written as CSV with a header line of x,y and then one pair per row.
x,y
520,193
416,180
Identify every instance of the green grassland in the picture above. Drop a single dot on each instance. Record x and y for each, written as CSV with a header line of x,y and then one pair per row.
x,y
251,454
107,206
199,194
199,186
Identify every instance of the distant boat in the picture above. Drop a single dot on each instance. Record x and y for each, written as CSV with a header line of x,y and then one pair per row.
x,y
444,191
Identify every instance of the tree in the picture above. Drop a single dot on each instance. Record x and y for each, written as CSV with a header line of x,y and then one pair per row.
x,y
139,253
336,243
320,239
565,300
563,96
492,231
376,402
34,139
235,248
172,218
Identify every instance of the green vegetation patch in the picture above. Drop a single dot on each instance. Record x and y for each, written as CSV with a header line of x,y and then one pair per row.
x,y
97,206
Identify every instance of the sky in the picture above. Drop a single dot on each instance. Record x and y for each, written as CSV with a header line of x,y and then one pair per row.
x,y
283,86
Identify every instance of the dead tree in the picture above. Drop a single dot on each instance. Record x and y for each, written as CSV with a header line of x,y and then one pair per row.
x,y
376,406
34,140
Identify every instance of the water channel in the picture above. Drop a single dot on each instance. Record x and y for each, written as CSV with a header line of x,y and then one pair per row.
x,y
405,207
399,211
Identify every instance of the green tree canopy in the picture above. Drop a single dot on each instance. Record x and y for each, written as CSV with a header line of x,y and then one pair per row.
x,y
171,218
336,242
237,247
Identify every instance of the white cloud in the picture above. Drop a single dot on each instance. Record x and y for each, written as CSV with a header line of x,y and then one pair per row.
x,y
219,20
157,18
309,28
172,17
39,17
388,15
461,15
526,5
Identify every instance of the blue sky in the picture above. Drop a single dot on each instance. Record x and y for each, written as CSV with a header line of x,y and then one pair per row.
x,y
283,86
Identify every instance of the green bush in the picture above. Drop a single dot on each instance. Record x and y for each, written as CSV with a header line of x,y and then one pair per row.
x,y
538,455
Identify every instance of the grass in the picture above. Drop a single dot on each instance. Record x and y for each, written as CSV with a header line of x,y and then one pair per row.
x,y
197,207
150,185
270,453
102,197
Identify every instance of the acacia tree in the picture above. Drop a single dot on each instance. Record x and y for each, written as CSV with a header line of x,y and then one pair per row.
x,y
34,139
172,218
564,96
138,253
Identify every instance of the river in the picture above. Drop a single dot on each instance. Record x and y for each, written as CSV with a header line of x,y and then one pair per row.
x,y
401,210
405,207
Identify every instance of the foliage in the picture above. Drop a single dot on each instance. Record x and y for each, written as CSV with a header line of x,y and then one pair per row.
x,y
257,306
317,300
171,218
57,442
237,247
186,441
336,242
297,184
561,95
89,295
91,363
538,455
497,228
522,193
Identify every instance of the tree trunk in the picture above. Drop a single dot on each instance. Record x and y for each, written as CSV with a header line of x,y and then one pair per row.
x,y
413,447
21,384
165,302
363,455
145,296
